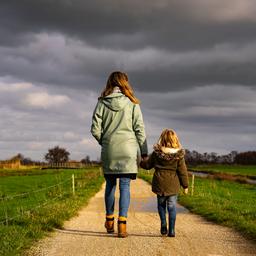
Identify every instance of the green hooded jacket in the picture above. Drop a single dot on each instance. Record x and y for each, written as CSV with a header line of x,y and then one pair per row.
x,y
117,125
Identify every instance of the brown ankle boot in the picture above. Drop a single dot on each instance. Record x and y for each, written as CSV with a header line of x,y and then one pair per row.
x,y
109,223
122,227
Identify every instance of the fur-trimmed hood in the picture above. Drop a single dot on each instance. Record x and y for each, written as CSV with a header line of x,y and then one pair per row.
x,y
168,153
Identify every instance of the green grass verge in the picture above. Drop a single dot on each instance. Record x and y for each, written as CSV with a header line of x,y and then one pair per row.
x,y
32,204
247,170
224,202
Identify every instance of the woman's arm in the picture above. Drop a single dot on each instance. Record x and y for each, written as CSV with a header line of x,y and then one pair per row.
x,y
96,127
139,129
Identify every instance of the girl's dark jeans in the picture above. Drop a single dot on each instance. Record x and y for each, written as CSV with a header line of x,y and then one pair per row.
x,y
168,202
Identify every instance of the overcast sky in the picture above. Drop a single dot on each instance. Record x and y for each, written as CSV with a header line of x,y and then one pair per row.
x,y
191,63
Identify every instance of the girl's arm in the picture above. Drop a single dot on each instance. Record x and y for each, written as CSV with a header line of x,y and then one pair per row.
x,y
182,173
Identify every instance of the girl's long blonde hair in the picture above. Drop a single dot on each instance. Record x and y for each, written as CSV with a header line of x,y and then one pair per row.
x,y
169,139
120,80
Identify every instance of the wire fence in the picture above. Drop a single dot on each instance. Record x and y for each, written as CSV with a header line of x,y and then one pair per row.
x,y
17,206
6,198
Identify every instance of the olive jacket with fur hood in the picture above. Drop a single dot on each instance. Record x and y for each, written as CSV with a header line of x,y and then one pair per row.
x,y
170,170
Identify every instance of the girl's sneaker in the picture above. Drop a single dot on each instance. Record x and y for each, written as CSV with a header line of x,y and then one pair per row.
x,y
163,230
171,234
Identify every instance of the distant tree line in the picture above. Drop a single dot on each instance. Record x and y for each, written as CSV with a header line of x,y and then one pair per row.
x,y
58,155
55,155
244,158
248,157
26,160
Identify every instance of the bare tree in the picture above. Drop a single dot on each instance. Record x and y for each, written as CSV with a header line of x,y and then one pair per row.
x,y
57,155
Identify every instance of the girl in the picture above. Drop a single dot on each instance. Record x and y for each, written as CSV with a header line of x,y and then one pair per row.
x,y
170,172
118,126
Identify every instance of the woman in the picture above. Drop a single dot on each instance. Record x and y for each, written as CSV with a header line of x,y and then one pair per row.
x,y
117,125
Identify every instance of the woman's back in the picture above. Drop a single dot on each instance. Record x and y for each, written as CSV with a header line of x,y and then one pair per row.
x,y
117,115
119,128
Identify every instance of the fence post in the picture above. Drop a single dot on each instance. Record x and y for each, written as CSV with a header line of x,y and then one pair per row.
x,y
192,185
6,218
73,184
100,171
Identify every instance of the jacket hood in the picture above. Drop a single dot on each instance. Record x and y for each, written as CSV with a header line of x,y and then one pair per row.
x,y
169,153
115,101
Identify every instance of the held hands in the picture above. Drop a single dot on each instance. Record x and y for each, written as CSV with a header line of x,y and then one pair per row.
x,y
185,191
143,160
144,157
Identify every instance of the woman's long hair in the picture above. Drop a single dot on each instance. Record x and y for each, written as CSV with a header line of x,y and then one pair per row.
x,y
120,80
169,139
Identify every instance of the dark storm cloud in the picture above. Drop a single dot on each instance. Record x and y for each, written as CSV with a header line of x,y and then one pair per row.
x,y
207,107
198,75
210,118
132,24
55,59
79,42
36,118
192,64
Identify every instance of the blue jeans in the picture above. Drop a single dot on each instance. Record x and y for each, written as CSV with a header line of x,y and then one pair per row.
x,y
124,199
170,203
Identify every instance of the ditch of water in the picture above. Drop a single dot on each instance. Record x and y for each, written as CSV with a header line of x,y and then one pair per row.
x,y
221,176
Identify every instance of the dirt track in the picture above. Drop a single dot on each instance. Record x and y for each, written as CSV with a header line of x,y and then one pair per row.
x,y
85,234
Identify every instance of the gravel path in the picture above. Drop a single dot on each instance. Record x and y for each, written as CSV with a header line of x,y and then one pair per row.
x,y
86,235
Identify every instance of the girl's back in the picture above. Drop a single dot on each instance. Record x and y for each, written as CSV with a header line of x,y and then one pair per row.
x,y
170,170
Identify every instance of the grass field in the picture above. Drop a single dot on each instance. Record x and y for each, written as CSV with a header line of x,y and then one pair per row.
x,y
224,202
230,169
33,202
